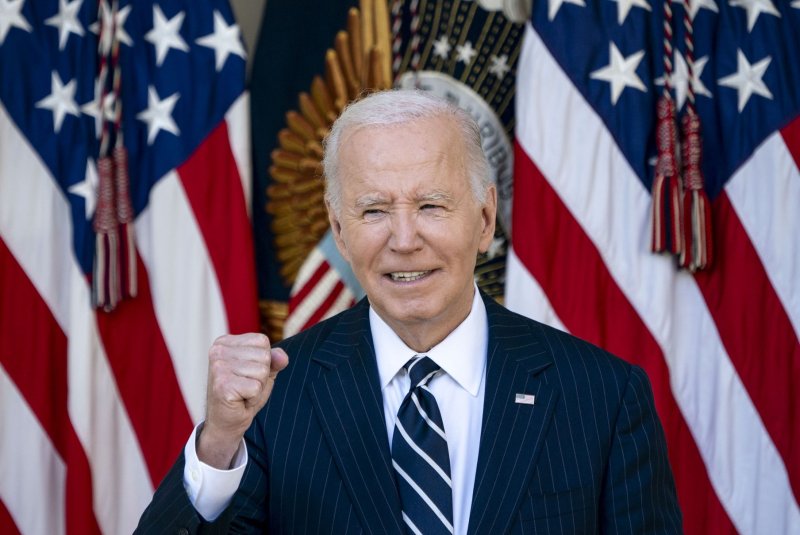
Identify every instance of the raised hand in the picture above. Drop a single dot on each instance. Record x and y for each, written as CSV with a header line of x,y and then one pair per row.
x,y
241,373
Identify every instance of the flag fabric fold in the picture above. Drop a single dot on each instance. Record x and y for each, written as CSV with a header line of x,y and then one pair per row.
x,y
95,405
720,345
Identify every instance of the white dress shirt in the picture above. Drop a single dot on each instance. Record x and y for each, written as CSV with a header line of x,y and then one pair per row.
x,y
459,393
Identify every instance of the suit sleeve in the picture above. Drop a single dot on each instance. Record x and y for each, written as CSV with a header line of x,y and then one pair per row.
x,y
171,511
638,489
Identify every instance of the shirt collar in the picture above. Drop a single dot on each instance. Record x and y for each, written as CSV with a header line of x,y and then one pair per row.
x,y
462,354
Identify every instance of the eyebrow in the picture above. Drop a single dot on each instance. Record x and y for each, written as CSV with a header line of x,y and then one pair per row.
x,y
436,196
370,200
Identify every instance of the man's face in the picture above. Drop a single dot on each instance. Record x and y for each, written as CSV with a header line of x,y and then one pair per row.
x,y
409,224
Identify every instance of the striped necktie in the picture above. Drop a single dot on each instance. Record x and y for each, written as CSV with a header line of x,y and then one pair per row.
x,y
420,457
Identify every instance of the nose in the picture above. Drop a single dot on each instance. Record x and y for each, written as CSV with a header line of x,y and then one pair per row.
x,y
405,232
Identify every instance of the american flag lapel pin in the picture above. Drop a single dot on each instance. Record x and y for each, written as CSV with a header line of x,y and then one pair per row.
x,y
525,399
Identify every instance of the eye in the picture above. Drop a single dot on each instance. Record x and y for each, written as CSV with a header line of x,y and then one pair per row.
x,y
372,213
429,207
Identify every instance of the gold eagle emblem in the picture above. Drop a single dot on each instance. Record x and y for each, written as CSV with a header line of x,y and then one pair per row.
x,y
361,60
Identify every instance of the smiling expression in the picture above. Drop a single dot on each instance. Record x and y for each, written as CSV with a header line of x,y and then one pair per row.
x,y
410,226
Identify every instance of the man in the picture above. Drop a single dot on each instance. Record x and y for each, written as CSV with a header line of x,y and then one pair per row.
x,y
427,408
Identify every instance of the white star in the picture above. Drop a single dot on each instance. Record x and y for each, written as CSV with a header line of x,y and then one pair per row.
x,y
499,66
620,72
66,21
225,40
87,189
747,79
166,34
60,101
109,106
100,111
119,24
697,5
103,17
624,7
10,17
465,53
554,5
107,19
680,78
158,114
442,47
796,4
93,108
754,8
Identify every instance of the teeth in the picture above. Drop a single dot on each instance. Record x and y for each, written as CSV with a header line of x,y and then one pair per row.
x,y
407,276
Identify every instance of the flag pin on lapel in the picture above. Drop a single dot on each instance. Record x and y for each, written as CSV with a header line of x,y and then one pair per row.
x,y
525,399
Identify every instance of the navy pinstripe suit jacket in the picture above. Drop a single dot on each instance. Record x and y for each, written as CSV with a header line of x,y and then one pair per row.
x,y
589,456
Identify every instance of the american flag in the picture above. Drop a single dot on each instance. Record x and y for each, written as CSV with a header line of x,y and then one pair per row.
x,y
720,345
325,286
94,405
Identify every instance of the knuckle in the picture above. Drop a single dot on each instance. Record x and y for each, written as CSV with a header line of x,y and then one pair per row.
x,y
260,340
262,374
222,340
216,352
249,389
217,367
218,391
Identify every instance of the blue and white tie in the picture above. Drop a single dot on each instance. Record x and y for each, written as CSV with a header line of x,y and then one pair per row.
x,y
420,457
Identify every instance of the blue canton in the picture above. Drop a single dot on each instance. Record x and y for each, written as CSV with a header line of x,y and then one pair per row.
x,y
182,65
745,54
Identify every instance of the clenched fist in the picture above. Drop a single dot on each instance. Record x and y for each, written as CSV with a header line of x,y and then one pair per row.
x,y
241,373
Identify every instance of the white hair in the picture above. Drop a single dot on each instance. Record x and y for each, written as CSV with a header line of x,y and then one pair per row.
x,y
399,106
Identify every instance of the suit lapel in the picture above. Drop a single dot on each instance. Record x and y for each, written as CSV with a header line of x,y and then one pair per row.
x,y
348,403
512,433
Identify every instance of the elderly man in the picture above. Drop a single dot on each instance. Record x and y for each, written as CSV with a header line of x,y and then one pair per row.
x,y
426,408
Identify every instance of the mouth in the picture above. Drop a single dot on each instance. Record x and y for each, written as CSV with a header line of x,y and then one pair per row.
x,y
407,276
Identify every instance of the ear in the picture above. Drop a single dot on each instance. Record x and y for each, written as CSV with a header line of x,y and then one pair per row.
x,y
488,219
336,229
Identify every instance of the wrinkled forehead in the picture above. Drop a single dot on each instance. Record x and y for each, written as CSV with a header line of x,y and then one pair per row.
x,y
405,157
416,142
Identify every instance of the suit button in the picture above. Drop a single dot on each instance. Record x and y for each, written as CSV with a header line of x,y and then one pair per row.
x,y
183,531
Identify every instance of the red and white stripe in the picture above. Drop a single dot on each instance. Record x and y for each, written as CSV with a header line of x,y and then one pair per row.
x,y
721,348
96,406
318,293
23,440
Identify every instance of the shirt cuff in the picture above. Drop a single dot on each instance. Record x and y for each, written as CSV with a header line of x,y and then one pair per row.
x,y
210,490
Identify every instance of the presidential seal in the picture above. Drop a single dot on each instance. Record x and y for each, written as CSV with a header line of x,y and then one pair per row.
x,y
494,140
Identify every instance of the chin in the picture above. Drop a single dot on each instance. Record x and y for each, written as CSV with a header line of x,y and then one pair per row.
x,y
413,314
409,313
